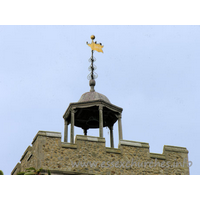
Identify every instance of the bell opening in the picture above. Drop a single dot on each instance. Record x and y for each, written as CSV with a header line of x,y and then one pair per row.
x,y
92,122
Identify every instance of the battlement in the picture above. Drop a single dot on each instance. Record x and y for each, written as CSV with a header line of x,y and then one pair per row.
x,y
89,155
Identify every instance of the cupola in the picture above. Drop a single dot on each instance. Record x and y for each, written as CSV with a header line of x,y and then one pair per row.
x,y
93,110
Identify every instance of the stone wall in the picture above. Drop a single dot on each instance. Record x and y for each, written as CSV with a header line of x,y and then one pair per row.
x,y
90,156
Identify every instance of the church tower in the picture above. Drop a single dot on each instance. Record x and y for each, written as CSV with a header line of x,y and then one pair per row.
x,y
86,154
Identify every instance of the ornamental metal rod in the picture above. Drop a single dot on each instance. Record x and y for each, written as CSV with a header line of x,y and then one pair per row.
x,y
92,76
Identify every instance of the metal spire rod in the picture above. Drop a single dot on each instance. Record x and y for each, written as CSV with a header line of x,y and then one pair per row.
x,y
92,68
98,48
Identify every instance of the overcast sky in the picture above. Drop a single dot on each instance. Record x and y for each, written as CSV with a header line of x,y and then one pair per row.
x,y
152,72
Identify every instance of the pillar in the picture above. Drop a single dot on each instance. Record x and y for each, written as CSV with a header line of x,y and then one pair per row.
x,y
120,126
85,131
72,126
100,121
111,137
66,131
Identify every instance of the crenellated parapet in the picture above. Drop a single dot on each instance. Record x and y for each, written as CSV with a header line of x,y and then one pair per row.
x,y
89,155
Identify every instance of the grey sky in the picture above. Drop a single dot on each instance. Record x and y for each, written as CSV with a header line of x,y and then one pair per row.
x,y
152,72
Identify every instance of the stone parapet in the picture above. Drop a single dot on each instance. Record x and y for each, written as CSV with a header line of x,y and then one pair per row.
x,y
29,149
89,155
133,143
16,169
89,138
112,150
174,149
47,134
68,145
158,156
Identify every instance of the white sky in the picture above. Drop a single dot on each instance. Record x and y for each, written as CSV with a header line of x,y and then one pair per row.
x,y
152,72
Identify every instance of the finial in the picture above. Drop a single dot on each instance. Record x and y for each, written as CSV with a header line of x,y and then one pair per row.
x,y
92,83
92,67
92,37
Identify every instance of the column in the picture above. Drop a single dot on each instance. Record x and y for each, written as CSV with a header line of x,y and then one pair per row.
x,y
66,131
72,126
85,131
120,126
100,121
111,137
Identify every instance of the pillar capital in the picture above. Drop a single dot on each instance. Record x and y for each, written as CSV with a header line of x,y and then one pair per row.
x,y
73,109
100,107
119,115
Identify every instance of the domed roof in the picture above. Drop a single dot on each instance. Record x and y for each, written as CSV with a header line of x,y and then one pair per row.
x,y
92,96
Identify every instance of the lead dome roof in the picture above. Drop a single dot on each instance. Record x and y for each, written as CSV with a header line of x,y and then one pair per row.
x,y
92,96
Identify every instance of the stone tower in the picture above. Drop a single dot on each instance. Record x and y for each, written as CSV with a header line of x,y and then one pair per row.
x,y
88,154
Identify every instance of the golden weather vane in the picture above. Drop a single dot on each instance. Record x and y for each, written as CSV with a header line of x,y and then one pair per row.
x,y
95,47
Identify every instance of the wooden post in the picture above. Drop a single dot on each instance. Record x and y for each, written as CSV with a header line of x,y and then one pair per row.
x,y
66,131
111,137
100,121
72,126
120,126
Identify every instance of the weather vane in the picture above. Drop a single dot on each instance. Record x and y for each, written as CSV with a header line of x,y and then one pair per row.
x,y
92,67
